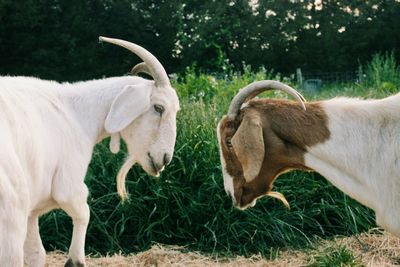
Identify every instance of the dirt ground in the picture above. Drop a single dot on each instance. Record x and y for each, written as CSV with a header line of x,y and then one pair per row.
x,y
378,250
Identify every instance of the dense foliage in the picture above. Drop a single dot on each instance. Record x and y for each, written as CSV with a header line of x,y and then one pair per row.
x,y
187,205
57,39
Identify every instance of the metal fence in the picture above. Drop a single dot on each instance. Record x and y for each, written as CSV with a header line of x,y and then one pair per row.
x,y
314,81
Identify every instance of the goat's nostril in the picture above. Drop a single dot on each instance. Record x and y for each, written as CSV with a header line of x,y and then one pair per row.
x,y
167,159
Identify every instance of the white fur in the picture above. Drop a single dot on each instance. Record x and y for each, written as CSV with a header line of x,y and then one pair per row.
x,y
362,155
47,134
228,180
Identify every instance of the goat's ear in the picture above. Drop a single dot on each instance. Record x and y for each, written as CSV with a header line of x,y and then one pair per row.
x,y
126,107
248,143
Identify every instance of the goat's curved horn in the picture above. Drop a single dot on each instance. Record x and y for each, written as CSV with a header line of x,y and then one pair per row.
x,y
255,88
155,67
141,68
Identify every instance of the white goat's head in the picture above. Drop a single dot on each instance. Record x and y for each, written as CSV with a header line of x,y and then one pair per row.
x,y
252,153
147,124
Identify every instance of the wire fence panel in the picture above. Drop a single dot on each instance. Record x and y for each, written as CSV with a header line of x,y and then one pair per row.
x,y
334,77
313,81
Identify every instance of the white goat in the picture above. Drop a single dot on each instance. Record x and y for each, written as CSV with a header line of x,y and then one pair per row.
x,y
354,143
47,134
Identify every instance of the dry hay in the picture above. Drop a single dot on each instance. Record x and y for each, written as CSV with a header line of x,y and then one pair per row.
x,y
372,249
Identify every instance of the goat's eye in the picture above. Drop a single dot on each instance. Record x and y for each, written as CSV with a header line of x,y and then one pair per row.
x,y
229,142
159,109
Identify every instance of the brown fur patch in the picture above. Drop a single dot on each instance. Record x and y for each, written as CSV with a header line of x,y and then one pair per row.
x,y
287,131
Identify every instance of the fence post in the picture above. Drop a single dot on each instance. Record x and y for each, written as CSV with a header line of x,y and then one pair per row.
x,y
299,77
360,74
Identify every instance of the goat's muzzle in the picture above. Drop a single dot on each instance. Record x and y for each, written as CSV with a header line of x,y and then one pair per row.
x,y
156,166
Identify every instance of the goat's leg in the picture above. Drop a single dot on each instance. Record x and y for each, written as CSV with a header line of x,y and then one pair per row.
x,y
13,214
34,252
77,208
13,221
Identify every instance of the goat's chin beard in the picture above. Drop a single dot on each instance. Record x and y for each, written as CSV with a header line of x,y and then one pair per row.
x,y
121,177
123,172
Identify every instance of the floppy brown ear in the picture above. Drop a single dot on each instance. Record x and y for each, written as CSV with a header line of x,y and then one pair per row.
x,y
248,143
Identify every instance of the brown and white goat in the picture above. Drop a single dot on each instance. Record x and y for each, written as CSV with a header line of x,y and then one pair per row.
x,y
354,143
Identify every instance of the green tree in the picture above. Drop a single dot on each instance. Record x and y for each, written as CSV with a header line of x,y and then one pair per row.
x,y
57,39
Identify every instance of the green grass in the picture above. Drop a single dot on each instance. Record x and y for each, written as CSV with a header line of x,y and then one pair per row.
x,y
336,256
187,205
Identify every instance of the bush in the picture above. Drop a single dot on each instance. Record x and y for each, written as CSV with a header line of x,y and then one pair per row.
x,y
382,73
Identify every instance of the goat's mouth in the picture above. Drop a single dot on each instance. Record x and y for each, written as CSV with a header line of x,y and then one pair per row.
x,y
242,206
154,168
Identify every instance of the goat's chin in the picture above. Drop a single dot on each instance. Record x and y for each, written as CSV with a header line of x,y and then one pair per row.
x,y
250,205
152,173
149,169
145,164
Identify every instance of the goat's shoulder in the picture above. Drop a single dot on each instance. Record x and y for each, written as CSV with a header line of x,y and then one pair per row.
x,y
364,109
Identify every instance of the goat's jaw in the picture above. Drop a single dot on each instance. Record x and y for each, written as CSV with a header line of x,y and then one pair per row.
x,y
151,167
273,194
250,205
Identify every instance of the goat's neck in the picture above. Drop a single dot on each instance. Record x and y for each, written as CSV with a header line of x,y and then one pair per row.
x,y
90,102
328,140
362,153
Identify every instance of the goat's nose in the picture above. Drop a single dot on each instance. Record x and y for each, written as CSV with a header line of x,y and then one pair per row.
x,y
167,158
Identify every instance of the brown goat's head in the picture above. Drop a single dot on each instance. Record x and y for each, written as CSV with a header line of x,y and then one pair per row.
x,y
252,153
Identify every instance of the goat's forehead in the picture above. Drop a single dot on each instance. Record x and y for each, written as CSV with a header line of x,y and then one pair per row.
x,y
225,127
219,130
